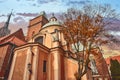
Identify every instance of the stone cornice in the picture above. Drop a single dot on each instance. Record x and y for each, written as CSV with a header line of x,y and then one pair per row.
x,y
30,45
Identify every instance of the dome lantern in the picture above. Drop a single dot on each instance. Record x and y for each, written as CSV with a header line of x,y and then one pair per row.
x,y
53,18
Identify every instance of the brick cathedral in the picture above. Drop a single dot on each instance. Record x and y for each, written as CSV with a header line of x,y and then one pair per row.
x,y
40,54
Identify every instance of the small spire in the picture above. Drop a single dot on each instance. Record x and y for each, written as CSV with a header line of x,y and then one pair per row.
x,y
53,15
53,18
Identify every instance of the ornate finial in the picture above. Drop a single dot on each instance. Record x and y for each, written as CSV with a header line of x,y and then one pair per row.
x,y
43,13
53,18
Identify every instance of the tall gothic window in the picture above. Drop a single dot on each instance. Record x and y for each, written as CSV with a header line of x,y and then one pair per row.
x,y
39,40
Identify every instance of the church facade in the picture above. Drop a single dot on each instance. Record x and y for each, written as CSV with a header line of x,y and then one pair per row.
x,y
41,56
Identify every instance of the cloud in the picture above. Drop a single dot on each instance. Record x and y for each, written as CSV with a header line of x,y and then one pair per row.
x,y
19,24
2,15
17,0
1,1
1,24
78,2
26,0
16,19
29,0
115,33
6,15
27,14
45,1
34,4
114,26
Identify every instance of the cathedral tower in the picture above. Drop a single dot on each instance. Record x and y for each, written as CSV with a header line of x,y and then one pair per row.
x,y
36,24
4,30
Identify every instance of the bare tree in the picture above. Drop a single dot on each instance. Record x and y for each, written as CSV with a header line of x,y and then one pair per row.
x,y
83,30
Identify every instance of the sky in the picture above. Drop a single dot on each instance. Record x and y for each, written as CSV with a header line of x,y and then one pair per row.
x,y
24,10
35,6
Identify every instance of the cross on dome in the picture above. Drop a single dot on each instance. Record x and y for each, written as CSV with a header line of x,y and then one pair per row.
x,y
53,18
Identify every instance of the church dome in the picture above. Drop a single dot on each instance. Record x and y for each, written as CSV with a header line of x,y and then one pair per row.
x,y
53,21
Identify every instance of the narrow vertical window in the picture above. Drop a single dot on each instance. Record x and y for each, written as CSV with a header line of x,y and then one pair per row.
x,y
44,66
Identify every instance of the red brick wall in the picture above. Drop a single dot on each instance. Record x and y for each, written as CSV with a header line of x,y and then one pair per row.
x,y
4,56
42,56
34,29
62,67
51,65
19,67
35,25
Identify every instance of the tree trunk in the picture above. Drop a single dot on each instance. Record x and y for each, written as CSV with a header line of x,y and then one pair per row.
x,y
78,77
79,71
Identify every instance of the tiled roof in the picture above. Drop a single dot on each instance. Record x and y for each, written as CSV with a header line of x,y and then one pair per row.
x,y
16,38
113,58
51,23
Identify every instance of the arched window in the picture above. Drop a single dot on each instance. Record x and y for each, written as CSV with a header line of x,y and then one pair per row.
x,y
39,39
56,30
